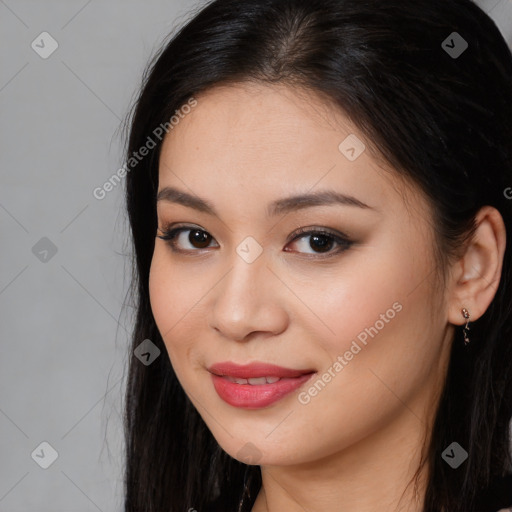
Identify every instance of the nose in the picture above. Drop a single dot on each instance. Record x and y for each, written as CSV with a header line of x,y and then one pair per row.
x,y
249,299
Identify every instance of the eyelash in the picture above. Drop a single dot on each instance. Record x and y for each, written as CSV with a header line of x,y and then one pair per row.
x,y
169,235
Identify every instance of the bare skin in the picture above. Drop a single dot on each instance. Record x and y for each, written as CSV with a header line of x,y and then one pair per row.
x,y
355,444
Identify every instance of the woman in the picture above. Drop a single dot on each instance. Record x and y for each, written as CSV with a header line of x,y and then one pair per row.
x,y
319,197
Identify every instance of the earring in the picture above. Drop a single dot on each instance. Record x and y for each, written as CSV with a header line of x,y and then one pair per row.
x,y
465,313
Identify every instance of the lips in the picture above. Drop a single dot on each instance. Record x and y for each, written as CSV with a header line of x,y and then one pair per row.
x,y
255,385
255,370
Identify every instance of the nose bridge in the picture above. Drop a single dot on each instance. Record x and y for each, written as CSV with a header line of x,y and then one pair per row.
x,y
243,301
247,261
248,272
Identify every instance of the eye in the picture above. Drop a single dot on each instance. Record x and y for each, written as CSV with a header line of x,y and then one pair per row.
x,y
198,238
321,241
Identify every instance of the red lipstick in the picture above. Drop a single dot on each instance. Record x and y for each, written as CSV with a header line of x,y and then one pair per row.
x,y
255,385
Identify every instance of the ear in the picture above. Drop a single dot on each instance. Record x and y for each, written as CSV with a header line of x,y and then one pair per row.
x,y
476,275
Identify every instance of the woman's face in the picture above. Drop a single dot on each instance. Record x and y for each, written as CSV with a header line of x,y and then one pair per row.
x,y
361,311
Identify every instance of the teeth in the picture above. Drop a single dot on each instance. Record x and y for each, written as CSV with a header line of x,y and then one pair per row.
x,y
256,381
236,380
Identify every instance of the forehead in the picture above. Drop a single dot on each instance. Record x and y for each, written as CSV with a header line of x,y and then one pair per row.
x,y
246,142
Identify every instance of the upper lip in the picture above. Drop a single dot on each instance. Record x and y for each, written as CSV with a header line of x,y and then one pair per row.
x,y
254,370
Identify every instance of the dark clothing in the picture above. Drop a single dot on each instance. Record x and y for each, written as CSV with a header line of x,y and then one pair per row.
x,y
497,496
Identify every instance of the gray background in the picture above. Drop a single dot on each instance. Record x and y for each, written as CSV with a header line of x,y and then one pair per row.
x,y
63,337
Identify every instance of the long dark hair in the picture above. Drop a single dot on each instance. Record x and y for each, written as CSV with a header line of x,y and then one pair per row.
x,y
441,118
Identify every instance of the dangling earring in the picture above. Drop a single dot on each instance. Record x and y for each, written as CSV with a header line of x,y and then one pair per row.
x,y
465,313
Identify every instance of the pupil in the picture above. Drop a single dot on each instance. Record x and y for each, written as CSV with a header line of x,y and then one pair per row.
x,y
202,238
324,245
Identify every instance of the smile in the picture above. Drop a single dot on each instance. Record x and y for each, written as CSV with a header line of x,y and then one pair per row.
x,y
255,385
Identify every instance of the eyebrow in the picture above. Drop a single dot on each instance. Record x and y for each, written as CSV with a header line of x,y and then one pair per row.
x,y
278,207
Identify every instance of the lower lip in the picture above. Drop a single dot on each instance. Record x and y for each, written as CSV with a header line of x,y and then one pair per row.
x,y
247,396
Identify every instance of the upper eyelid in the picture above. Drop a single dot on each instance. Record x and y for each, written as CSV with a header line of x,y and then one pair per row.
x,y
300,230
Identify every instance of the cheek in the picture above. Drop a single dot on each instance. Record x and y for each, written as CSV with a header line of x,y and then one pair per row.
x,y
169,298
177,297
361,385
161,292
369,297
377,318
